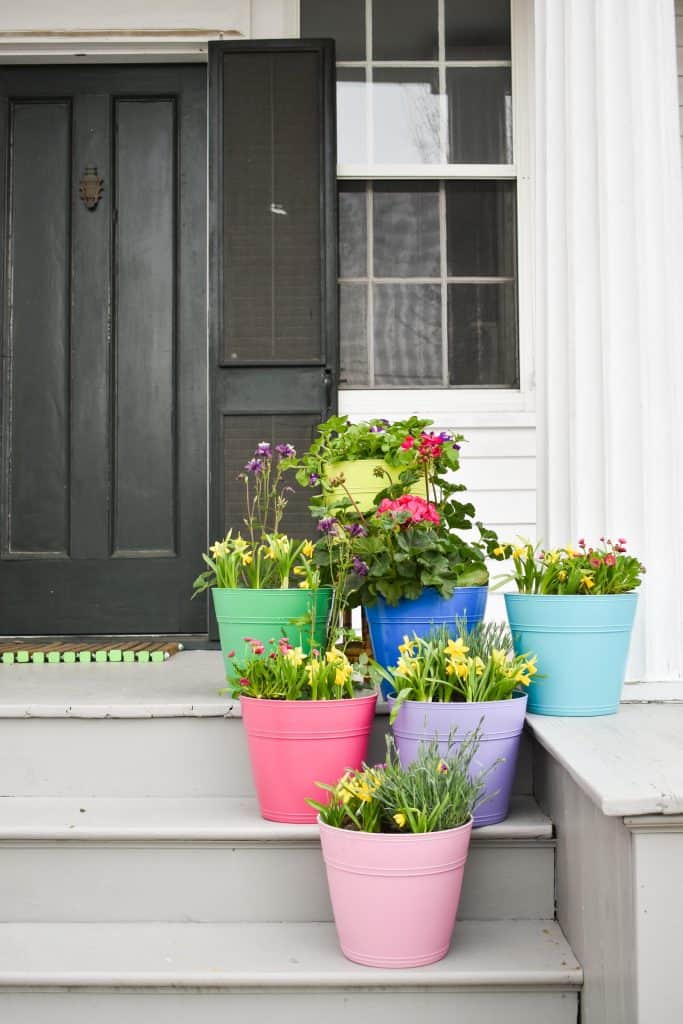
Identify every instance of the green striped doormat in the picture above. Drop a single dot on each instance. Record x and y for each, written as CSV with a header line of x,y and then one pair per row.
x,y
23,652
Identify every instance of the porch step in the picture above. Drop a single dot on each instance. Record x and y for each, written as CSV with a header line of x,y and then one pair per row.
x,y
215,859
132,731
497,973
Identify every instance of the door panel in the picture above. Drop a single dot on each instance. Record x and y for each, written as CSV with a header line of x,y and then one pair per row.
x,y
39,521
273,241
144,334
104,350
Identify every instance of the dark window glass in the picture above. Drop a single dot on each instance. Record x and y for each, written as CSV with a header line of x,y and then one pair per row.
x,y
404,30
406,115
481,221
353,230
480,115
482,335
407,322
477,30
406,229
353,339
344,22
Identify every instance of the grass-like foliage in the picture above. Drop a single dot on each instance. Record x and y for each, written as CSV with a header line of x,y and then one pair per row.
x,y
474,666
433,793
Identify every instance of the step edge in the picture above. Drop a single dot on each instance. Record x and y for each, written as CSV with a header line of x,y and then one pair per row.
x,y
565,979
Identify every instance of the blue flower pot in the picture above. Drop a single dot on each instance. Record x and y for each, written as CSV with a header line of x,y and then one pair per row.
x,y
388,624
582,645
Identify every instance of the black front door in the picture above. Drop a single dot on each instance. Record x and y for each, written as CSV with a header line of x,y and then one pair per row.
x,y
103,343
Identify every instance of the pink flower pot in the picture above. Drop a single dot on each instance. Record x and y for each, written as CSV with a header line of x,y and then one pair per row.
x,y
294,744
395,897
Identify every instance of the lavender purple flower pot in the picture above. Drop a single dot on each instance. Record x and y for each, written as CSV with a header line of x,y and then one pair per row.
x,y
502,722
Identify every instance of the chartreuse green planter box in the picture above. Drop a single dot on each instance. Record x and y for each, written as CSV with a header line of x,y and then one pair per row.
x,y
581,642
268,615
361,482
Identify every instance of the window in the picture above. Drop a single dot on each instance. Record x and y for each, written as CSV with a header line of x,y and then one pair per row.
x,y
427,191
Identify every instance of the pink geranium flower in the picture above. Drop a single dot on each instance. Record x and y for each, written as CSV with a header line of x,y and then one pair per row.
x,y
419,510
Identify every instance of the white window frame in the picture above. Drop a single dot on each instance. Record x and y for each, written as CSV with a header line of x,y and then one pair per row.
x,y
444,402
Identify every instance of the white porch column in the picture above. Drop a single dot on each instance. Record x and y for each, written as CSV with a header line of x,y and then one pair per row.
x,y
609,281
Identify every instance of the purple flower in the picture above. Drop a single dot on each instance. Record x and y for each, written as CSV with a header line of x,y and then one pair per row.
x,y
376,429
360,567
263,450
287,451
445,436
356,530
313,479
328,525
254,466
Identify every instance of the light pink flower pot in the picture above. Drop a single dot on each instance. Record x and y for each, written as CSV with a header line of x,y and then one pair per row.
x,y
295,743
395,897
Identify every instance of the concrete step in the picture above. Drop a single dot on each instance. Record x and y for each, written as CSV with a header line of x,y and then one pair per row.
x,y
496,973
215,859
134,731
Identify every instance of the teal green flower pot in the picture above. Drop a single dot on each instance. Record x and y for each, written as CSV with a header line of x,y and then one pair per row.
x,y
582,645
268,615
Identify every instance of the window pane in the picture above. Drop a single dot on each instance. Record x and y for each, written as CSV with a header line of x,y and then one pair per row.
x,y
406,229
407,323
481,223
478,31
353,230
480,115
352,144
482,335
404,30
353,341
406,116
345,22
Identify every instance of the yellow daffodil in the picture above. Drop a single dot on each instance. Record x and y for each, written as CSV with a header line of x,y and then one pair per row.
x,y
304,585
239,544
587,582
400,819
498,657
408,645
519,552
334,655
295,655
479,666
462,670
500,551
456,648
308,549
299,570
339,677
572,552
450,668
219,549
247,559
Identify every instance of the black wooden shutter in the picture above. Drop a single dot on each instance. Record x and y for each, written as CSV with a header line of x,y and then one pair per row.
x,y
273,251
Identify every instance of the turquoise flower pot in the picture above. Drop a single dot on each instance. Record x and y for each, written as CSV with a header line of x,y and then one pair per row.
x,y
582,645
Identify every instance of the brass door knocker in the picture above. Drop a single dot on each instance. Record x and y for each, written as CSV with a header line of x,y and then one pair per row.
x,y
91,187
